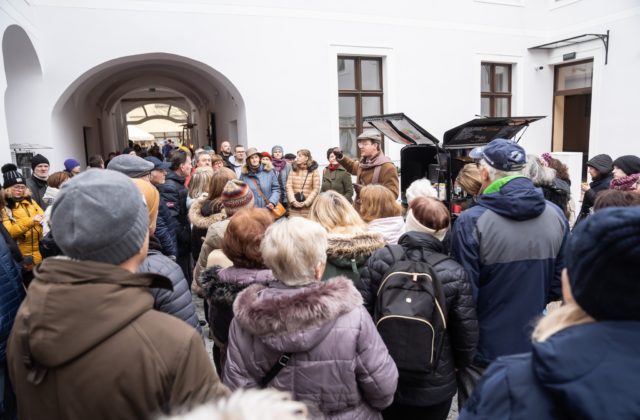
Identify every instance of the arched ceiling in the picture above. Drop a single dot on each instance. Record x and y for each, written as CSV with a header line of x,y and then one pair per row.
x,y
107,83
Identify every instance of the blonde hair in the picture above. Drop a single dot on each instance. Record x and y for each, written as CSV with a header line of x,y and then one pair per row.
x,y
377,202
336,214
199,182
470,179
293,248
251,404
566,316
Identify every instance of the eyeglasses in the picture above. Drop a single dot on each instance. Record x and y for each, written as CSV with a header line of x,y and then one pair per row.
x,y
19,187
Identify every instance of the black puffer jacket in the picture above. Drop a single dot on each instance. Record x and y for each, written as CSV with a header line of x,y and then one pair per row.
x,y
176,302
462,325
174,194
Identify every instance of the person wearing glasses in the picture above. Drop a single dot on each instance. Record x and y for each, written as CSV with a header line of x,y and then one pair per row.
x,y
22,217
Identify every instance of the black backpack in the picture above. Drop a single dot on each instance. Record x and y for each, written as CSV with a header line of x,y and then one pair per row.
x,y
410,312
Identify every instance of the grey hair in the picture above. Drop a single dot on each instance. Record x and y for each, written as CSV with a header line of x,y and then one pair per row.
x,y
537,172
293,248
420,188
494,173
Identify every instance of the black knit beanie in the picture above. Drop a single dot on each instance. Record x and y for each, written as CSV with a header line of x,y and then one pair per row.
x,y
602,258
11,175
37,160
628,163
602,163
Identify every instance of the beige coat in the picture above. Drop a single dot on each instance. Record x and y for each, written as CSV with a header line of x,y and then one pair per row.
x,y
311,189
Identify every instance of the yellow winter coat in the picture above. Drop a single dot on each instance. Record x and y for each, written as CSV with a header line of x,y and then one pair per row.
x,y
19,223
295,183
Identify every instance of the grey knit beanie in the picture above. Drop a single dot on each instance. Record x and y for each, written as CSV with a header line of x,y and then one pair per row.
x,y
100,215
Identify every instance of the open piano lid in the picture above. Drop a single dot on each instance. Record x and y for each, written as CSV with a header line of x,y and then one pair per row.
x,y
481,131
400,129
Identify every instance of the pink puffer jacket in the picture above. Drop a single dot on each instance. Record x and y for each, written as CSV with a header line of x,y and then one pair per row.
x,y
340,366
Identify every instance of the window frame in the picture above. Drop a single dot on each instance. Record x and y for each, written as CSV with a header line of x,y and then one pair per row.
x,y
358,93
492,95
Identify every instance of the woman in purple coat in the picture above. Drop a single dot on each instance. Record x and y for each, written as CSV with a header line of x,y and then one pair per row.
x,y
334,360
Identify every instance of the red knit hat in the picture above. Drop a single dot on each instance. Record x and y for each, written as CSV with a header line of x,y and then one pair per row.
x,y
266,154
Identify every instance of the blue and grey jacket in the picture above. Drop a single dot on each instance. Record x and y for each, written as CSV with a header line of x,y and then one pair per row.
x,y
511,245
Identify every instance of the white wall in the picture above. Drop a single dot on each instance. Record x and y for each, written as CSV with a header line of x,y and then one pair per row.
x,y
281,58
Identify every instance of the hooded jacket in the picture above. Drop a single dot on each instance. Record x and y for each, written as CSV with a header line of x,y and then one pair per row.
x,y
87,344
340,366
296,183
347,254
462,326
268,182
511,244
212,241
587,371
17,218
391,228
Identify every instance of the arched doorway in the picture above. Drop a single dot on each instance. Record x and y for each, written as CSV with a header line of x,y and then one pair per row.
x,y
90,117
21,105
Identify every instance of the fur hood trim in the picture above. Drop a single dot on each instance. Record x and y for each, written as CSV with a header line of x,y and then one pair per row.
x,y
287,313
198,219
354,246
311,166
261,168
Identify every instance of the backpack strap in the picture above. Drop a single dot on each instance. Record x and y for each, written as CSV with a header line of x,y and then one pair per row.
x,y
275,369
436,258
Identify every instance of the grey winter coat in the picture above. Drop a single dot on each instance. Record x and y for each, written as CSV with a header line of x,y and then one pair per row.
x,y
340,366
176,302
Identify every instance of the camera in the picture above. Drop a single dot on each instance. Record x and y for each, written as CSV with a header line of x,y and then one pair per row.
x,y
299,196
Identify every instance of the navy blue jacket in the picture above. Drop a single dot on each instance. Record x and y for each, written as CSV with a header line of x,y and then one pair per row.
x,y
174,195
11,295
176,302
588,371
165,230
511,245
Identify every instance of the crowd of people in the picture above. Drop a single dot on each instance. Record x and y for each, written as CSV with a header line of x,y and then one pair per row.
x,y
319,283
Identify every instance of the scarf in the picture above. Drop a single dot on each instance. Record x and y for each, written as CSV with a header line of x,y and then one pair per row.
x,y
332,167
378,160
626,183
412,224
39,178
279,164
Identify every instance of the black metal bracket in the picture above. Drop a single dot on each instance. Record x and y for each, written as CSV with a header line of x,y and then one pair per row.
x,y
578,40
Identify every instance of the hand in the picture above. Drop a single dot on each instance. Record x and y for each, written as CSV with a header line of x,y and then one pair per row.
x,y
38,218
584,187
338,153
270,206
298,204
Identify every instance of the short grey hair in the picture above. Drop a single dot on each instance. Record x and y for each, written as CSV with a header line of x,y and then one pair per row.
x,y
293,248
495,174
420,188
537,172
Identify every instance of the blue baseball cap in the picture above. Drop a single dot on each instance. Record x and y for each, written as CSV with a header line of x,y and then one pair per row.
x,y
157,163
502,154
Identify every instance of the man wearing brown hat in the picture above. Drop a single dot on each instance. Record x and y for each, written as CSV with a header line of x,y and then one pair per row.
x,y
373,167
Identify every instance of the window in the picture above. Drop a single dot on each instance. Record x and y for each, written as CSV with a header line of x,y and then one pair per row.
x,y
495,87
360,95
